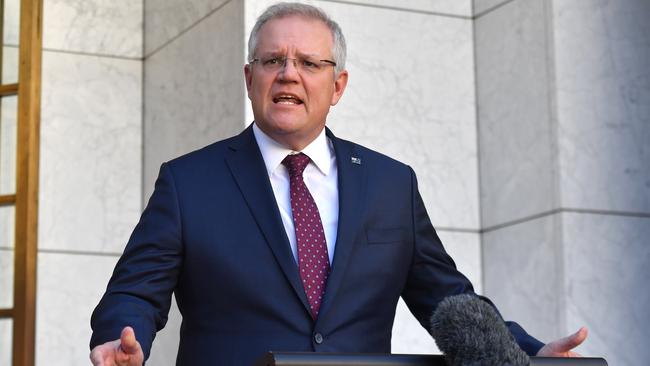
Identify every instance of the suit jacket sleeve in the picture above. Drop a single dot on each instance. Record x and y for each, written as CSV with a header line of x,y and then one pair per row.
x,y
433,275
140,289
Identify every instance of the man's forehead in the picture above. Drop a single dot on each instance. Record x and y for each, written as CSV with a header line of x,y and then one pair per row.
x,y
295,18
294,28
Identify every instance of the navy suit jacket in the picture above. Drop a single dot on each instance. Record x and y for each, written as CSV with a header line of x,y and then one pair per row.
x,y
212,235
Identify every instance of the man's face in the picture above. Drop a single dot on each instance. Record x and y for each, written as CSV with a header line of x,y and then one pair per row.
x,y
291,105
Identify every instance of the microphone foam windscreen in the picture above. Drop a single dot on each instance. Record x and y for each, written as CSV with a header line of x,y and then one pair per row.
x,y
469,331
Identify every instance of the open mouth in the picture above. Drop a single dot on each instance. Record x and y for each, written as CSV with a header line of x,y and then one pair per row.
x,y
287,99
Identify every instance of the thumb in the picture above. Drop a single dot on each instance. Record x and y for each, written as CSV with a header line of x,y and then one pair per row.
x,y
572,341
128,343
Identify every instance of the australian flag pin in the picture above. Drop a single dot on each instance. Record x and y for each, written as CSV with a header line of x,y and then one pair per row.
x,y
355,160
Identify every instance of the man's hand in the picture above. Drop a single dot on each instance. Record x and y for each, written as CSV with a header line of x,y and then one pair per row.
x,y
563,346
125,351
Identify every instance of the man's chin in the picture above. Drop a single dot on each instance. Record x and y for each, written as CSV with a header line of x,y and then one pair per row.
x,y
291,135
284,125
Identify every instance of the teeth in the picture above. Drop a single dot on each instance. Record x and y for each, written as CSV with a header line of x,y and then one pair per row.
x,y
287,99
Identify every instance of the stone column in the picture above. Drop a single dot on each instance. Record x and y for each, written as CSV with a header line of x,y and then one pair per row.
x,y
90,164
563,93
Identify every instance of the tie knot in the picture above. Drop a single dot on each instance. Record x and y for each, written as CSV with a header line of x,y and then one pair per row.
x,y
296,163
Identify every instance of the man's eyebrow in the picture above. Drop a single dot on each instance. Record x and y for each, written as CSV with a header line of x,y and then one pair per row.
x,y
309,55
271,53
281,53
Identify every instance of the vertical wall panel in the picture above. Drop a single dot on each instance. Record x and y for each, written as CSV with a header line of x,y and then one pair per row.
x,y
481,6
9,64
523,275
167,19
602,58
11,23
575,80
409,336
602,53
94,26
8,140
521,271
607,276
90,164
6,276
6,334
90,152
69,287
194,90
515,127
441,7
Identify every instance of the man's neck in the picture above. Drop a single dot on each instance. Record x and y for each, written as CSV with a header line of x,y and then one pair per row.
x,y
319,150
292,142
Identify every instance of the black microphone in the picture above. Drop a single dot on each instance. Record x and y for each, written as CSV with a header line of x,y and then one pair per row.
x,y
470,332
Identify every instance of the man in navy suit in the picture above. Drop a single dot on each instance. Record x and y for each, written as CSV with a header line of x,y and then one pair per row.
x,y
229,228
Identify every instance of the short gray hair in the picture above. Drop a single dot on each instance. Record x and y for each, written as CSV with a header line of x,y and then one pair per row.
x,y
282,10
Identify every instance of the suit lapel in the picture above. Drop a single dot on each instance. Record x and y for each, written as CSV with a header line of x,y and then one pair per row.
x,y
247,167
352,186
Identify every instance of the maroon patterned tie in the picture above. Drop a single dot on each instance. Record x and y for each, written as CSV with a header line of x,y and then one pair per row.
x,y
313,261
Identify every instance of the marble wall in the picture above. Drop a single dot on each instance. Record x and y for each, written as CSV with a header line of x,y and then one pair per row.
x,y
90,164
518,180
193,85
514,115
6,326
480,7
166,20
458,8
522,272
601,54
526,121
563,91
606,283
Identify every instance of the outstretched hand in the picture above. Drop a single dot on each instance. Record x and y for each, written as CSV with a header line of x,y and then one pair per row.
x,y
125,351
563,346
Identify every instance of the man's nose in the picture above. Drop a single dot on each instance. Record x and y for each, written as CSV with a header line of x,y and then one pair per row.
x,y
289,70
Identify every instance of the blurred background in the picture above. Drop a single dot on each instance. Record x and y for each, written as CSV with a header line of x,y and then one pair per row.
x,y
527,122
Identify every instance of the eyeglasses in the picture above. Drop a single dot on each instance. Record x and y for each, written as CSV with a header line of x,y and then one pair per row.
x,y
302,64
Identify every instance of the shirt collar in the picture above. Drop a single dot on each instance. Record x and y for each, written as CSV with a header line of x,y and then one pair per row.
x,y
320,151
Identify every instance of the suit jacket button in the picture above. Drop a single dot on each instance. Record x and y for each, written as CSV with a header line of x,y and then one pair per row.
x,y
318,338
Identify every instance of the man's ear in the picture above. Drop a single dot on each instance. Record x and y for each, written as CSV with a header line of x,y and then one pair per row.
x,y
248,75
339,86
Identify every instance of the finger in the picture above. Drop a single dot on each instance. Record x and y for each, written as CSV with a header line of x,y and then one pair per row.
x,y
128,343
568,343
102,354
96,358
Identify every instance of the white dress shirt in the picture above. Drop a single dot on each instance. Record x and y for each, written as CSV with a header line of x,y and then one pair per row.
x,y
320,176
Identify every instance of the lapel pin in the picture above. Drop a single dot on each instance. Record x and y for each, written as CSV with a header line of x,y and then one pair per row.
x,y
355,160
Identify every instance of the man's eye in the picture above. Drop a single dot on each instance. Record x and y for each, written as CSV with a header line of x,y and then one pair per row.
x,y
272,61
310,64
